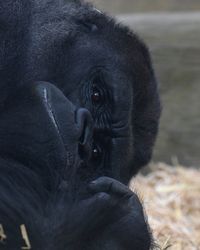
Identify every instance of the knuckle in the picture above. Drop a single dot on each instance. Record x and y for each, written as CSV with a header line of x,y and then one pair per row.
x,y
103,197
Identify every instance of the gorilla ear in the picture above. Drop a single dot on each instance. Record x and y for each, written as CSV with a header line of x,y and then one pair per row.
x,y
87,25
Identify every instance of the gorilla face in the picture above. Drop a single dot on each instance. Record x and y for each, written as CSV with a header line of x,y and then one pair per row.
x,y
107,69
34,132
103,87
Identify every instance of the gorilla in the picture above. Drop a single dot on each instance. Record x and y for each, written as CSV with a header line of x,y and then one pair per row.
x,y
97,64
43,136
62,176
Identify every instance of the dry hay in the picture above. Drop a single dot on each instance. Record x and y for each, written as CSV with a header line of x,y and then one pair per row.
x,y
171,197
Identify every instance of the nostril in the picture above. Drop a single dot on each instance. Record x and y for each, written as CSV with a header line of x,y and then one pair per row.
x,y
83,135
84,151
85,125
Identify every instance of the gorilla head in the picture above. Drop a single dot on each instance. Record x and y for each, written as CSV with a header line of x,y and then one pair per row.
x,y
104,67
34,132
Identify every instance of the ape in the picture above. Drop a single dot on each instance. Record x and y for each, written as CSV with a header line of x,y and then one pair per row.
x,y
99,65
102,66
43,137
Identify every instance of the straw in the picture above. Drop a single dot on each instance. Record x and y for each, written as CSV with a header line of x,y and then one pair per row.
x,y
171,197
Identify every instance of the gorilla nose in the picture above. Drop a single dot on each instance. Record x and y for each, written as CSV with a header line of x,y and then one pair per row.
x,y
85,125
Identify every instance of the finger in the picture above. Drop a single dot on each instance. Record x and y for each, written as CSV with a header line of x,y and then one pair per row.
x,y
110,186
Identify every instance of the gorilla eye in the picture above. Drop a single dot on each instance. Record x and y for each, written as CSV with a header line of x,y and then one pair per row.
x,y
96,153
96,95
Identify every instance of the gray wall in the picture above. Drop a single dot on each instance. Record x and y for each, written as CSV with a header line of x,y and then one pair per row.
x,y
129,6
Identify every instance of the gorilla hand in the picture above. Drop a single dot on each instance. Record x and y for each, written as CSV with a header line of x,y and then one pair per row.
x,y
126,226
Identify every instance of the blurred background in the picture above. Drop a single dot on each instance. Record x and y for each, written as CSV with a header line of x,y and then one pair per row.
x,y
171,28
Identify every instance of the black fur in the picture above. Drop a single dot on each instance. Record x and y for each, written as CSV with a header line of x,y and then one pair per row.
x,y
14,22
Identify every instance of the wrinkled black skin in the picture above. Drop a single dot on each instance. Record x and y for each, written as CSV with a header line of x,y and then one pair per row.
x,y
40,137
74,46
